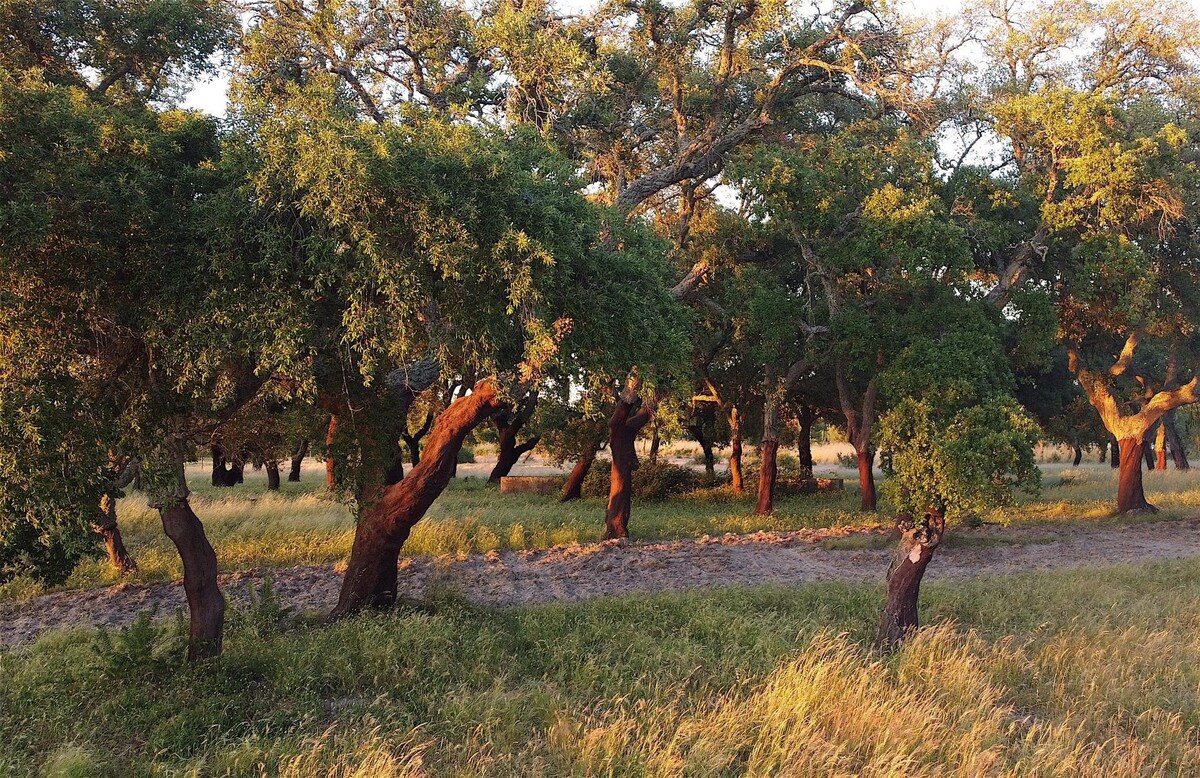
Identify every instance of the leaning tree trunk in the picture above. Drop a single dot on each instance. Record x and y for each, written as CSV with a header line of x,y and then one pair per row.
x,y
866,477
298,459
915,549
385,523
118,556
1178,452
735,450
1131,498
573,488
1160,447
206,606
272,475
768,468
628,418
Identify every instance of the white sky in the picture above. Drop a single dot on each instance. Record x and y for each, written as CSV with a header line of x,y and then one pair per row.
x,y
211,95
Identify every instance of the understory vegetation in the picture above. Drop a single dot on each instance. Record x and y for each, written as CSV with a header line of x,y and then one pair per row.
x,y
1066,673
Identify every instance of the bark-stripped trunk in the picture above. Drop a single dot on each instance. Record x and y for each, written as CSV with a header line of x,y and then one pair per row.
x,y
118,556
767,467
735,450
298,460
1160,447
272,475
385,523
330,465
1131,498
1175,442
913,552
626,421
866,477
1078,455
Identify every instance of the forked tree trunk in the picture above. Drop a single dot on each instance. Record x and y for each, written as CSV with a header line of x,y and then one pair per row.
x,y
573,488
1078,455
298,460
118,556
866,477
385,523
735,450
768,469
917,543
1131,498
331,435
413,439
1178,452
272,475
628,418
1160,447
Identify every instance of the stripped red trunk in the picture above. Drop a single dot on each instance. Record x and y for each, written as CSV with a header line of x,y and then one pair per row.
x,y
866,477
330,470
118,556
573,488
1160,447
385,522
628,418
767,474
1131,498
206,606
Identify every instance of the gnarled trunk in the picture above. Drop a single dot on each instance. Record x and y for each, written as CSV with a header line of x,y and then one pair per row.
x,y
628,418
735,450
1178,452
1131,498
866,477
385,523
917,543
298,460
272,475
118,556
206,606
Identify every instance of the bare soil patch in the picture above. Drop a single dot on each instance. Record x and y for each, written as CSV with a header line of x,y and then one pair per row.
x,y
583,571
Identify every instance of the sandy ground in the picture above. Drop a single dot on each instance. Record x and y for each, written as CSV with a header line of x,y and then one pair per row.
x,y
578,572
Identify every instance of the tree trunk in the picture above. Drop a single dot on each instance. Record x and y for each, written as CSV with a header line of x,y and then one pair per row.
x,y
218,466
1114,454
804,441
1148,449
627,419
298,459
866,477
1078,455
1160,447
272,475
768,469
1178,452
413,440
735,450
331,436
913,552
1130,496
655,442
1103,453
206,606
508,426
385,523
573,488
118,556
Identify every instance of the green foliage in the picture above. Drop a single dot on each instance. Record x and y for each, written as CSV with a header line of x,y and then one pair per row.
x,y
654,481
963,462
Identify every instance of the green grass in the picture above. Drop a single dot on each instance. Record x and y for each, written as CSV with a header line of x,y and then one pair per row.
x,y
1068,673
253,528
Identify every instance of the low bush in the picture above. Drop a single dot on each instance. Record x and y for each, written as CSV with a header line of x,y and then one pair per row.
x,y
651,480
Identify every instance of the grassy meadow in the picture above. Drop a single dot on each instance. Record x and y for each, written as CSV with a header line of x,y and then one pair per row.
x,y
1087,672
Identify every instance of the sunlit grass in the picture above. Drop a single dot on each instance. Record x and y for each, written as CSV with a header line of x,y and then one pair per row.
x,y
1092,673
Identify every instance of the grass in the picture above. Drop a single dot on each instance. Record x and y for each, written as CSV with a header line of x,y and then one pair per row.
x,y
253,528
1065,673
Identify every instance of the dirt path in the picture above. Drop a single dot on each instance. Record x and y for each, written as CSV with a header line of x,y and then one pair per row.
x,y
578,572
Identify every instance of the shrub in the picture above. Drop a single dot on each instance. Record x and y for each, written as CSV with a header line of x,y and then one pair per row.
x,y
651,481
466,456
